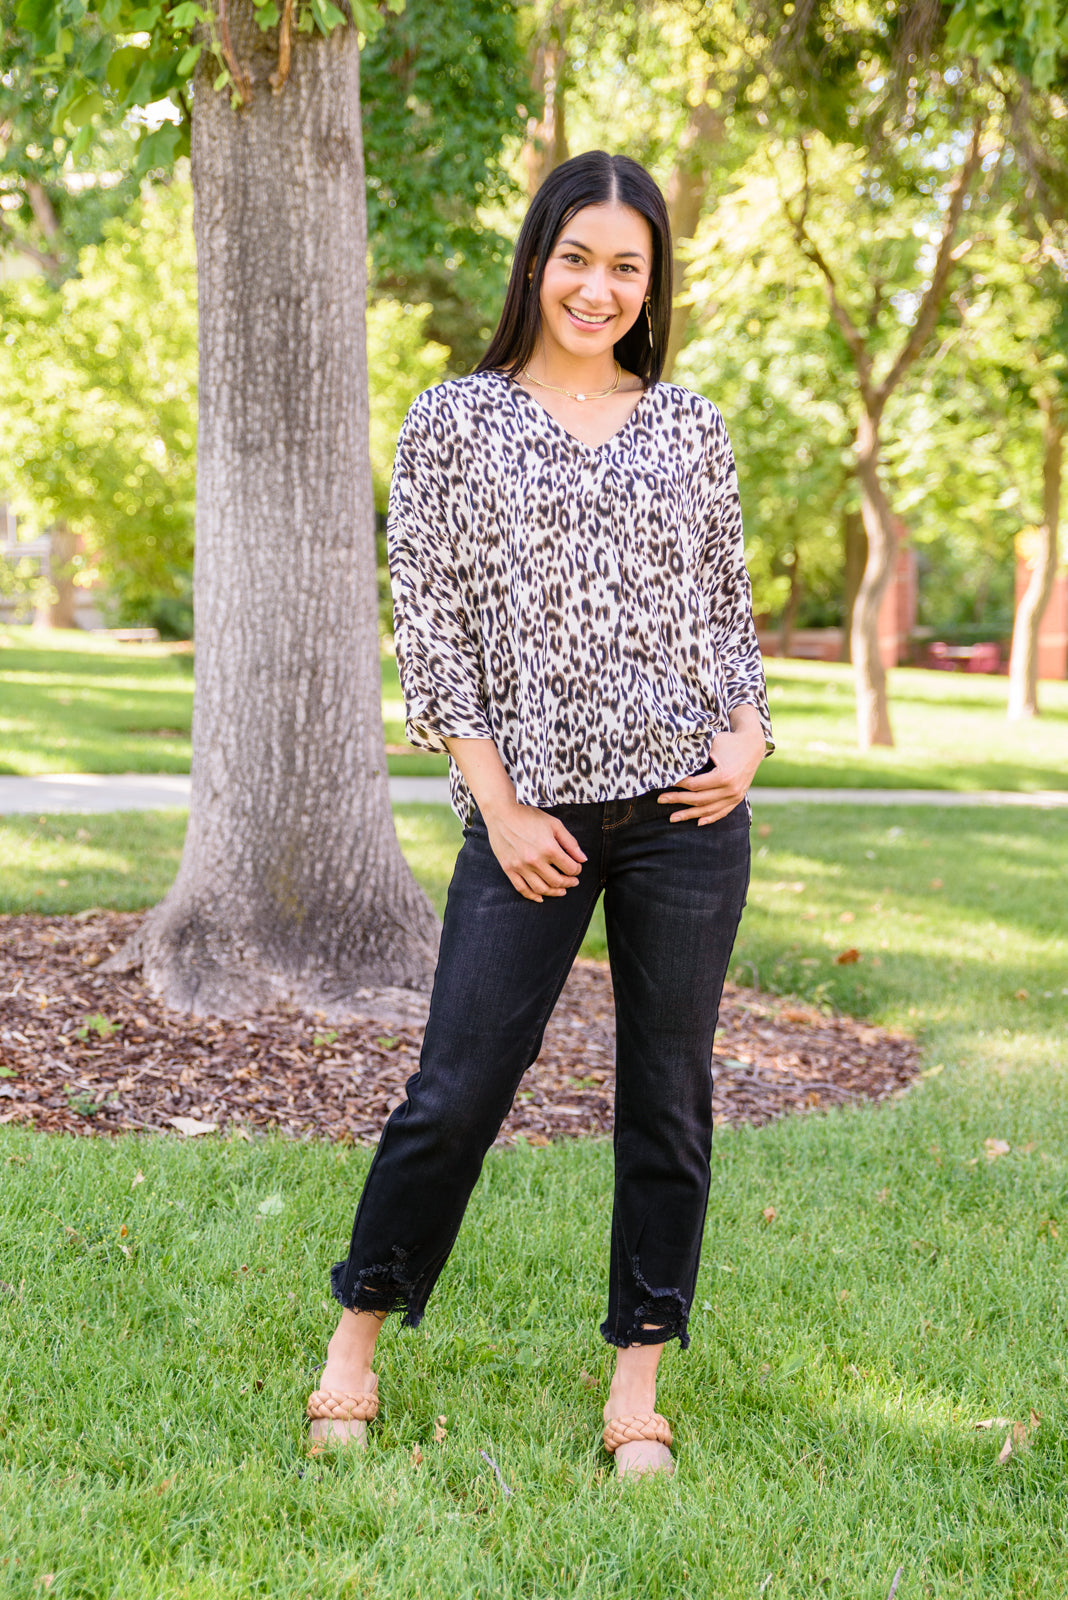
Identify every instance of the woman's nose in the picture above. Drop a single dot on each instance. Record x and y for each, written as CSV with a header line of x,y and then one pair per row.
x,y
595,286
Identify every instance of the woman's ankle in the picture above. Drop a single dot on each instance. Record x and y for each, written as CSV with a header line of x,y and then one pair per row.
x,y
352,1344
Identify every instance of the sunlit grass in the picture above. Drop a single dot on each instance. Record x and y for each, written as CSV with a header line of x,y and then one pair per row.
x,y
911,1284
71,703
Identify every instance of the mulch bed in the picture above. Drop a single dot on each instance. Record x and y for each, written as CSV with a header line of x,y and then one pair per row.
x,y
86,1052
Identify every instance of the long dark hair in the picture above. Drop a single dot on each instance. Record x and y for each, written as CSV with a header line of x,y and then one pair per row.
x,y
593,179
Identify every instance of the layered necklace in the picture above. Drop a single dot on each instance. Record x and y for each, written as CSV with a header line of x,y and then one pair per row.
x,y
571,393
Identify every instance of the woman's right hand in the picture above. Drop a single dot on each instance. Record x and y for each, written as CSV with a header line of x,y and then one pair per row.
x,y
537,854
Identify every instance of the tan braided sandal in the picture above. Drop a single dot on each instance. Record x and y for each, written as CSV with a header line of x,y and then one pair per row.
x,y
329,1407
648,1427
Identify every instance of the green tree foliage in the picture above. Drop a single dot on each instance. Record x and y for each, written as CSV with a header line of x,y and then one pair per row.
x,y
99,426
1030,37
441,92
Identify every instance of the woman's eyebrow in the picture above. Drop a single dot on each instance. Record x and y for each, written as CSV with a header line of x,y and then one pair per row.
x,y
619,253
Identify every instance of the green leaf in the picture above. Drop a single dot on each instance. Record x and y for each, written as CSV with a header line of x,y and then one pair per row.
x,y
123,66
272,1206
189,60
81,142
268,14
327,15
159,148
221,80
186,15
82,111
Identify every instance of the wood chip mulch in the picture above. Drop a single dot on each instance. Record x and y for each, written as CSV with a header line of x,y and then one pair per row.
x,y
84,1052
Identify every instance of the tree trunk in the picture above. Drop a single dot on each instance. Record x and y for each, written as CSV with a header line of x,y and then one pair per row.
x,y
62,548
1023,661
292,887
855,558
869,674
685,196
793,601
546,143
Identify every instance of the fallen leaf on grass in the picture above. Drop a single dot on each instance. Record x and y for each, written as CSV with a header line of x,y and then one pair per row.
x,y
995,1148
439,1431
994,1422
417,1456
189,1127
769,1213
1021,994
272,1206
847,958
138,1177
45,1581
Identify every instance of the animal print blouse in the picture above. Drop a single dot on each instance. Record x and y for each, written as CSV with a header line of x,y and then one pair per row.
x,y
585,607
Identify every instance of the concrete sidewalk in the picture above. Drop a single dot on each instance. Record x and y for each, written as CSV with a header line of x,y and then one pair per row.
x,y
138,791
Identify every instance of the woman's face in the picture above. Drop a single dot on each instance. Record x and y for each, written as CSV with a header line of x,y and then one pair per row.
x,y
595,280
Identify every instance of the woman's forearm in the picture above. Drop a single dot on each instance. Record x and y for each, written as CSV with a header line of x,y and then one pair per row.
x,y
746,719
484,773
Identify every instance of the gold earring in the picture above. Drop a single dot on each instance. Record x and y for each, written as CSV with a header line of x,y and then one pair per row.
x,y
649,320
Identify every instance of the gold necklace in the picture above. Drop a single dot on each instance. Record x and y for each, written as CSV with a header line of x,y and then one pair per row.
x,y
571,395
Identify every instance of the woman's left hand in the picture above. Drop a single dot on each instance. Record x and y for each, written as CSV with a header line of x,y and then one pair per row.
x,y
708,796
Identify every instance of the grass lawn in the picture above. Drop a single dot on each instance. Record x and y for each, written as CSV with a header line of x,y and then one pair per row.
x,y
74,704
912,1283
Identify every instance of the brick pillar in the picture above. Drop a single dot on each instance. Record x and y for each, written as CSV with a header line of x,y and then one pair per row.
x,y
897,614
1053,629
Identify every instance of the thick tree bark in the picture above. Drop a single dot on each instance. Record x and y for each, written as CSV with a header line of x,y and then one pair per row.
x,y
873,716
292,886
687,188
1023,661
546,142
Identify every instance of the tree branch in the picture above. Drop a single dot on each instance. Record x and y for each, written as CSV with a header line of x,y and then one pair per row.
x,y
809,248
49,263
278,78
242,85
945,261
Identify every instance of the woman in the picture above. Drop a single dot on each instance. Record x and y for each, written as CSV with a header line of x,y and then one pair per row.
x,y
573,625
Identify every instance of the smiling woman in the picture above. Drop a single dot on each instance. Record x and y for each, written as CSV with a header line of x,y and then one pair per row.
x,y
573,625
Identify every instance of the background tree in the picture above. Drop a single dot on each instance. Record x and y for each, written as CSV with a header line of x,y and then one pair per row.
x,y
292,885
98,431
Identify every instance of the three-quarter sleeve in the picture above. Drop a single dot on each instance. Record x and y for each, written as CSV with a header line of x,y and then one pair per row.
x,y
727,590
437,655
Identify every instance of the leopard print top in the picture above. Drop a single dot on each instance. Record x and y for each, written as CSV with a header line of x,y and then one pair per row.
x,y
587,608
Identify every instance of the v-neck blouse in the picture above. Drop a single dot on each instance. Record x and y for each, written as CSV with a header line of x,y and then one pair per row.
x,y
586,607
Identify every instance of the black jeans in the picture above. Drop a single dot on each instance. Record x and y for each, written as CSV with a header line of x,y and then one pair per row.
x,y
674,894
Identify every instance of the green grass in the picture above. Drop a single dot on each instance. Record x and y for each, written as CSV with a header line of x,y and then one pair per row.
x,y
71,703
950,729
908,1287
74,704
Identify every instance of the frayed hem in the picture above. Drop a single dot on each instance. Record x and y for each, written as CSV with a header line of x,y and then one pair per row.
x,y
647,1336
382,1288
662,1316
